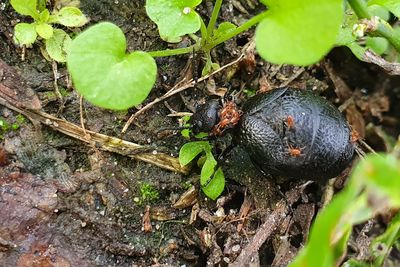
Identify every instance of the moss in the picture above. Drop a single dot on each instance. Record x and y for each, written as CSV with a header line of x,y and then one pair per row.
x,y
148,193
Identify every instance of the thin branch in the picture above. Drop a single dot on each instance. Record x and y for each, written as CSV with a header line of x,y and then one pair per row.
x,y
191,83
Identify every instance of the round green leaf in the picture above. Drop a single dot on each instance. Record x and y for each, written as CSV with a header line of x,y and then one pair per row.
x,y
104,74
25,33
44,30
298,32
57,46
174,18
71,17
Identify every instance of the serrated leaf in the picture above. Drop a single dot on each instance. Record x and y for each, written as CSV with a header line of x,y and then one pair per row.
x,y
71,17
216,186
298,32
102,71
392,5
25,7
25,33
208,169
44,30
57,46
190,150
174,18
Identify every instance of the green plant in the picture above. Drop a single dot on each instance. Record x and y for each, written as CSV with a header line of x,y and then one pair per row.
x,y
365,27
5,126
294,32
56,41
373,187
212,180
281,37
148,193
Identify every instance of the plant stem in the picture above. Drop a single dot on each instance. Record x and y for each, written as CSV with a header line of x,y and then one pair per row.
x,y
173,52
214,16
360,8
203,31
383,29
245,26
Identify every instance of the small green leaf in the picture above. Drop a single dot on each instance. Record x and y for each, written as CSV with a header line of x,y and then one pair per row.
x,y
71,17
25,7
216,186
222,29
44,30
381,245
186,133
208,169
378,44
57,46
25,33
190,150
298,32
44,16
174,18
392,5
104,74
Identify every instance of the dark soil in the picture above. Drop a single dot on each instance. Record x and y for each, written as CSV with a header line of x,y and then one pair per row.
x,y
64,203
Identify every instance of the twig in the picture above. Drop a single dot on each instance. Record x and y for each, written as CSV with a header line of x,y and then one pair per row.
x,y
102,141
82,120
292,77
268,227
391,68
189,84
56,90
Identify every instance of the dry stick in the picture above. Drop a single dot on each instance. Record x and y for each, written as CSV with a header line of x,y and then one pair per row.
x,y
82,120
191,83
102,141
56,90
293,77
271,224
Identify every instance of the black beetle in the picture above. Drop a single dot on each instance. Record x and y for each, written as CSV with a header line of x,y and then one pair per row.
x,y
294,133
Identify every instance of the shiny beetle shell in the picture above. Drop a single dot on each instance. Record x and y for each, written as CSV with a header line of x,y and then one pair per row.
x,y
316,144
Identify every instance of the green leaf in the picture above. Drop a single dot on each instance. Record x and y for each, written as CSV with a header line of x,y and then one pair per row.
x,y
25,7
71,17
44,30
57,46
392,5
378,44
44,16
216,186
104,74
222,29
174,18
190,150
299,32
379,11
381,245
208,169
25,33
381,174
